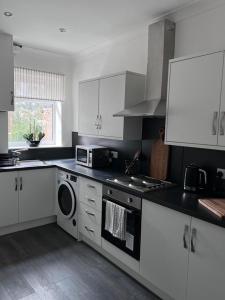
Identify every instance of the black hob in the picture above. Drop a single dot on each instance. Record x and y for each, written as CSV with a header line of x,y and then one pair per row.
x,y
141,183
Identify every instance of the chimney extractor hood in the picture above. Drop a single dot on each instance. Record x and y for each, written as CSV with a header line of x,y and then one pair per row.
x,y
161,42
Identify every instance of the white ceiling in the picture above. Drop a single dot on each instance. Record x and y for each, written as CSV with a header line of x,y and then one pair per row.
x,y
88,22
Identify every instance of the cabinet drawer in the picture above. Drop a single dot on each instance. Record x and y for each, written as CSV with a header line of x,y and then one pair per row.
x,y
90,229
91,193
90,214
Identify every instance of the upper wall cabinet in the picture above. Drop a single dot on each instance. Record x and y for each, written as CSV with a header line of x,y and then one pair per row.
x,y
100,98
6,73
196,102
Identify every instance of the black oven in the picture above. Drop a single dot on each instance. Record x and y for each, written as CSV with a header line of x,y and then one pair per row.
x,y
132,205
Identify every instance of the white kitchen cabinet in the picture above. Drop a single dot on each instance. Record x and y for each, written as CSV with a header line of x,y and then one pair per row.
x,y
221,125
90,209
36,194
206,262
164,258
9,199
6,73
88,107
194,94
102,97
111,101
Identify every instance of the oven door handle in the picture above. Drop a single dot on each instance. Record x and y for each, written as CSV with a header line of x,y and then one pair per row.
x,y
127,210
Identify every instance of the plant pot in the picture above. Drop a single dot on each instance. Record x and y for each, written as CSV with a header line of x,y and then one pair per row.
x,y
33,143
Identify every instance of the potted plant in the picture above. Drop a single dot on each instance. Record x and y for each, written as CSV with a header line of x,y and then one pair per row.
x,y
34,137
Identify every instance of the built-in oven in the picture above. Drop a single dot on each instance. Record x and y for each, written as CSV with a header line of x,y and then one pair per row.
x,y
131,205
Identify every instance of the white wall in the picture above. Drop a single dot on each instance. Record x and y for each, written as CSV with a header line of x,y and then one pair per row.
x,y
128,54
52,62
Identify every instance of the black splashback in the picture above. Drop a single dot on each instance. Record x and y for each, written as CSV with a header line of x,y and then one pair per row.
x,y
47,153
126,149
180,157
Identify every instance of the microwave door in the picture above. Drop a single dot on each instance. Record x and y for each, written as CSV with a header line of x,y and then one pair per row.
x,y
82,156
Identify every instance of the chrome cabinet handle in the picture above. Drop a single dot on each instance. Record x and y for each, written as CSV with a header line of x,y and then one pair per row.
x,y
91,200
89,213
193,239
97,122
21,183
91,186
222,122
214,123
88,229
16,184
186,231
12,98
100,122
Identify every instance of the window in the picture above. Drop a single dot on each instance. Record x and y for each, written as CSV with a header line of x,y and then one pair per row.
x,y
38,98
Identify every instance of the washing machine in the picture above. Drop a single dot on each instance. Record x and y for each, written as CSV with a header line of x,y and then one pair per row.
x,y
67,195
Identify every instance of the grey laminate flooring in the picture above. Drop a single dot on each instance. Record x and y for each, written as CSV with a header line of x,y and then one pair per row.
x,y
46,263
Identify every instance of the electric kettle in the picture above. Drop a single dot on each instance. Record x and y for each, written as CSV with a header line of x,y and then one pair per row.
x,y
195,179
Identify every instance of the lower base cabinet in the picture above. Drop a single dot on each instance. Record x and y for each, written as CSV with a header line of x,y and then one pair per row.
x,y
182,256
26,195
36,196
164,259
206,275
9,199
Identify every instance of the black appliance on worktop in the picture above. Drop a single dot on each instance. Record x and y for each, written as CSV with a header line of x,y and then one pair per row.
x,y
195,179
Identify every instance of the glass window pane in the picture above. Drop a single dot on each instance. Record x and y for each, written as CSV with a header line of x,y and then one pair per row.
x,y
31,116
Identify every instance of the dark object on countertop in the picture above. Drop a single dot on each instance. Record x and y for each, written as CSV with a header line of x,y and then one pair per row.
x,y
195,179
7,160
215,206
159,158
131,166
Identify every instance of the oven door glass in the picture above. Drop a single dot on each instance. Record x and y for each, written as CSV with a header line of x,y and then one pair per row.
x,y
82,155
131,245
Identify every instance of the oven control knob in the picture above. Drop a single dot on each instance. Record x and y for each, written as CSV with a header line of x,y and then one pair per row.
x,y
109,192
129,200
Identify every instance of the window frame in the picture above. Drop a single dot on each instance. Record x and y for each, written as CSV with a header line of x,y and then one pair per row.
x,y
55,141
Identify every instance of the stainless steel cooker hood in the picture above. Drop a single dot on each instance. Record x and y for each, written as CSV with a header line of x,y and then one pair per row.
x,y
161,42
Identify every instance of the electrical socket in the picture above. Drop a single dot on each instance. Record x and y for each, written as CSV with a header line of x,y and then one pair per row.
x,y
222,172
114,154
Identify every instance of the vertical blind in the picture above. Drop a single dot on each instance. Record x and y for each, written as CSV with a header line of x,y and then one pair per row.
x,y
38,85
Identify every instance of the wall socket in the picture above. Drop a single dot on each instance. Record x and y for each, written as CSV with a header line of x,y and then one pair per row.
x,y
221,173
114,154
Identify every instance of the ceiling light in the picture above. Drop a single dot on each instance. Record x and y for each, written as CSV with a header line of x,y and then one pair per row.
x,y
8,14
62,29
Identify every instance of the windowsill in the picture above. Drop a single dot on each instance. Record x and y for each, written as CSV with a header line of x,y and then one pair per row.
x,y
40,146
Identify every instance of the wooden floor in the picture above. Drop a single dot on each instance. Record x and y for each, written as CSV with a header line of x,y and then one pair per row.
x,y
46,263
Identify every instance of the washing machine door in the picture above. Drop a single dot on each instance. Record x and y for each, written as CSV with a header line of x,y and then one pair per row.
x,y
66,200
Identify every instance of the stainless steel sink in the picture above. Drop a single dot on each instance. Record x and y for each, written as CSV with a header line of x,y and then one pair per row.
x,y
27,163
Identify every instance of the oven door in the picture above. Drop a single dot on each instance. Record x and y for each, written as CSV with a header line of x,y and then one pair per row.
x,y
131,245
82,156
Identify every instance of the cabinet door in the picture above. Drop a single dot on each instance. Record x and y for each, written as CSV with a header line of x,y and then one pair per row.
x,y
194,100
207,262
164,259
111,101
221,131
9,208
6,73
36,195
88,107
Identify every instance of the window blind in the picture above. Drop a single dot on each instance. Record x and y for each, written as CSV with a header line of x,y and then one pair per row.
x,y
38,85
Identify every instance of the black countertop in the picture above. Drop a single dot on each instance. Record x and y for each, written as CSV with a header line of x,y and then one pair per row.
x,y
174,198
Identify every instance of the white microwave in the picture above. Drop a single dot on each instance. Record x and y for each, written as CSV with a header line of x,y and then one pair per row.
x,y
92,156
